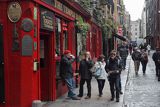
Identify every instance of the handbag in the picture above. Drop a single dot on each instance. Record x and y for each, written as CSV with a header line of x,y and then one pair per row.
x,y
97,72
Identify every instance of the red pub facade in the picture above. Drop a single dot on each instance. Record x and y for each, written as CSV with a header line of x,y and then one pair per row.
x,y
33,36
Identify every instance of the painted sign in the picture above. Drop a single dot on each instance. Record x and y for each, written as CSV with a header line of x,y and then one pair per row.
x,y
47,19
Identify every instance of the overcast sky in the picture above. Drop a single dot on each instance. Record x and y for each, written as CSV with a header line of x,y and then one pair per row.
x,y
134,7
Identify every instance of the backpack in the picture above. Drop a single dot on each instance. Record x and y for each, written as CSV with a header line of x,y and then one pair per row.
x,y
98,71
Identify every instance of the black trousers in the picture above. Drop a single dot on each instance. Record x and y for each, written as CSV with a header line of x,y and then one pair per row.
x,y
82,81
101,83
114,86
144,64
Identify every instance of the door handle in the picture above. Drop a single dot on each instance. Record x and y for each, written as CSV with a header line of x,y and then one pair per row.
x,y
2,63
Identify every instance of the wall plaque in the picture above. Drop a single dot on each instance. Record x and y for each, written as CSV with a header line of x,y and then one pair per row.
x,y
47,19
27,25
14,11
27,45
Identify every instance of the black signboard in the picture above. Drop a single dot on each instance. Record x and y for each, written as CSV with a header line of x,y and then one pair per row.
x,y
27,45
47,19
51,2
2,83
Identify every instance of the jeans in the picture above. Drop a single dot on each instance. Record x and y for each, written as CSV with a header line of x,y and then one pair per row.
x,y
124,62
71,85
114,84
101,83
144,64
82,81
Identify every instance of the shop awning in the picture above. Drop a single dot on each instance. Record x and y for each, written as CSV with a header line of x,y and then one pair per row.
x,y
120,37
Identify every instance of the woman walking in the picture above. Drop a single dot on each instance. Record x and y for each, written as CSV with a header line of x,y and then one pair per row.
x,y
100,64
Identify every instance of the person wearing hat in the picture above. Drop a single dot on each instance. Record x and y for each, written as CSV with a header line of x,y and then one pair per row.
x,y
136,57
113,68
156,59
66,73
85,74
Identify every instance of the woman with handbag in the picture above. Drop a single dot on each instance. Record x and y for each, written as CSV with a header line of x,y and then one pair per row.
x,y
100,65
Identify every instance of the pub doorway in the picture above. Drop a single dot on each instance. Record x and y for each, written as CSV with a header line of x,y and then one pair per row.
x,y
45,71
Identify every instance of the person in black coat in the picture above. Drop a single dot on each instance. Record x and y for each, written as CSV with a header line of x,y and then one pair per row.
x,y
136,57
156,59
144,60
113,69
85,74
66,73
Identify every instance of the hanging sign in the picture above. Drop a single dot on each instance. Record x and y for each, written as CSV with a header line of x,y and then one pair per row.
x,y
14,11
47,19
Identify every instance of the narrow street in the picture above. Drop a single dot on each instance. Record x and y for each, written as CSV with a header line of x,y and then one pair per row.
x,y
142,90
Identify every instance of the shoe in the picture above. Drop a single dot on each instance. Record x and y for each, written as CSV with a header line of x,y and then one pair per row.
x,y
87,97
112,99
75,98
79,96
117,100
120,92
100,95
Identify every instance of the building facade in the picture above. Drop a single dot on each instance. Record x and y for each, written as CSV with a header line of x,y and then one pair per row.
x,y
136,31
33,37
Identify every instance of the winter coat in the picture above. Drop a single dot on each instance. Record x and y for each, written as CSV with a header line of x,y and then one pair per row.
x,y
101,65
136,56
123,51
144,57
84,69
113,65
66,70
156,58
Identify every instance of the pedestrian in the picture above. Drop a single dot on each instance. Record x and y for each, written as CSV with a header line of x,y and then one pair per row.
x,y
130,48
156,59
144,60
100,64
123,52
85,74
66,73
136,57
113,69
148,49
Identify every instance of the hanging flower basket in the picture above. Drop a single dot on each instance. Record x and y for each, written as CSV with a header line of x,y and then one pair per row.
x,y
81,26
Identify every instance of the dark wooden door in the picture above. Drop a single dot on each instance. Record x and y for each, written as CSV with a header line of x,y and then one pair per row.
x,y
2,86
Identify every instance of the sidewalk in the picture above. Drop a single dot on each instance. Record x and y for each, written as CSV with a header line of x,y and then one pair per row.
x,y
95,100
142,90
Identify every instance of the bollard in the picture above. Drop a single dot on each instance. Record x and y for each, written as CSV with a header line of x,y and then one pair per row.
x,y
36,103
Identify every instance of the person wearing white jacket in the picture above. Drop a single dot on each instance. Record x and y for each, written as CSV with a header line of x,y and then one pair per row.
x,y
101,79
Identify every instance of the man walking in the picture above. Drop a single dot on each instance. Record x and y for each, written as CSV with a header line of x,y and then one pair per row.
x,y
156,59
136,56
123,53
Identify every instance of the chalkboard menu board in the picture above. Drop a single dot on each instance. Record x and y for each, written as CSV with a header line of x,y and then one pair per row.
x,y
47,19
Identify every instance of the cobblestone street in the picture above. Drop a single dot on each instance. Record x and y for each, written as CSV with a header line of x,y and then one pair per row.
x,y
142,90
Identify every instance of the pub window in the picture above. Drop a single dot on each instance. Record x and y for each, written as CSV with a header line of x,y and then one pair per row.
x,y
65,40
42,58
65,36
58,35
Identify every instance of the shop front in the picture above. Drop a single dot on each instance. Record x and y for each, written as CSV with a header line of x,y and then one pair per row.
x,y
33,36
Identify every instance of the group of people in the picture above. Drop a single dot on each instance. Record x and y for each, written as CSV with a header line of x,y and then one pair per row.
x,y
141,56
110,70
